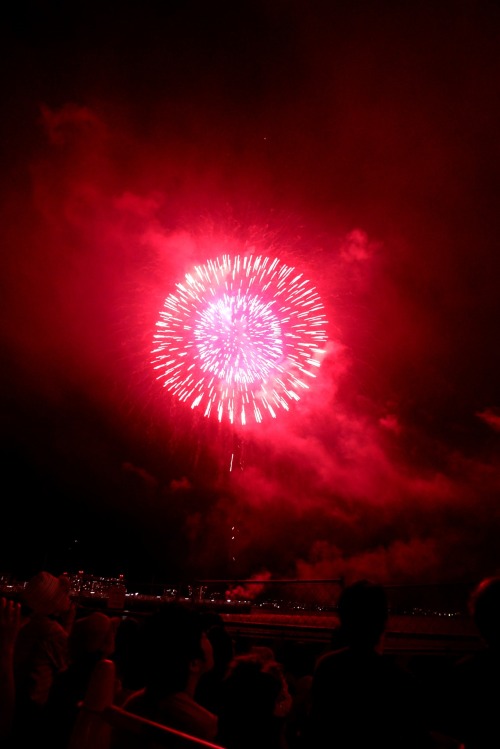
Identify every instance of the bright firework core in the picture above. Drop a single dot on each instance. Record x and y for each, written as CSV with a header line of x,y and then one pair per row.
x,y
240,337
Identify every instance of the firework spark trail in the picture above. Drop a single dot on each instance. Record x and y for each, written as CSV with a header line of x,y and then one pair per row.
x,y
240,337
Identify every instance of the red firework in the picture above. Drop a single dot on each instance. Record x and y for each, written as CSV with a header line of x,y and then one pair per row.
x,y
240,337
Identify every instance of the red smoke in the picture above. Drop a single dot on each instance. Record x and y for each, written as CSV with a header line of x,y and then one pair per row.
x,y
344,146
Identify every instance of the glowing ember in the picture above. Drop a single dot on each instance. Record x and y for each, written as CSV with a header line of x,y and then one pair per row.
x,y
240,337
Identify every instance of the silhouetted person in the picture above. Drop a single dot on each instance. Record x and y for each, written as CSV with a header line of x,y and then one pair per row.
x,y
41,652
127,658
359,696
298,660
208,692
255,703
92,637
176,652
472,694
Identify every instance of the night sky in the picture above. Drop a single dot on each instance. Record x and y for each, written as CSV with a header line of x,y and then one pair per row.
x,y
356,141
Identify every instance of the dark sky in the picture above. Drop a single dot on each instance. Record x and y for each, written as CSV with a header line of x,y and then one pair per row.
x,y
357,141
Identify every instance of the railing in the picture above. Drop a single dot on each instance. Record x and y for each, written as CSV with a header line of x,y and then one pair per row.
x,y
100,722
122,721
301,598
308,597
289,608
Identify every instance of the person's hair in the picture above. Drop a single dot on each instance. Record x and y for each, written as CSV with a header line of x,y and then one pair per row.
x,y
484,606
172,638
251,688
363,612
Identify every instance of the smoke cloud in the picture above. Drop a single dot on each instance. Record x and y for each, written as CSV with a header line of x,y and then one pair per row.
x,y
361,149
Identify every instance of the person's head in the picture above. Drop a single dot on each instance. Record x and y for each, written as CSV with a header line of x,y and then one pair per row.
x,y
176,649
46,594
363,612
93,634
484,606
255,695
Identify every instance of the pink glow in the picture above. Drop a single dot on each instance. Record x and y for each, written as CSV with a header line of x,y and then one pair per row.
x,y
240,337
360,149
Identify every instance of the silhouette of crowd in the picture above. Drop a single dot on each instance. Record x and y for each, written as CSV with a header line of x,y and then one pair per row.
x,y
179,667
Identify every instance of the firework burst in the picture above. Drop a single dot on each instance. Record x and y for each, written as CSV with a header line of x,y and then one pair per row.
x,y
240,337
